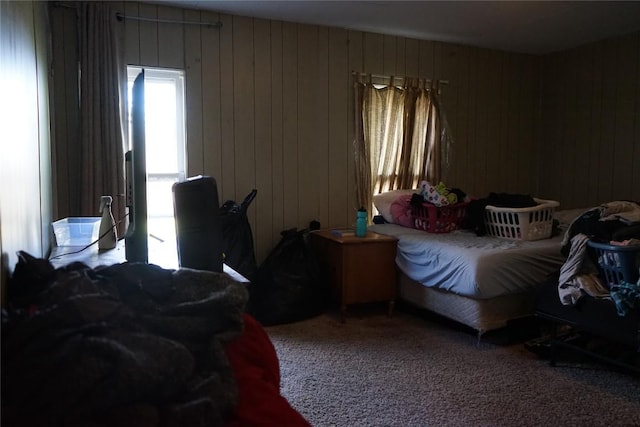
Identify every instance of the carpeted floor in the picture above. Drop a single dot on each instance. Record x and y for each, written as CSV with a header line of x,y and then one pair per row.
x,y
412,370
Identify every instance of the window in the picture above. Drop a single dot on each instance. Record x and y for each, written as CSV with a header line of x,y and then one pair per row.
x,y
165,142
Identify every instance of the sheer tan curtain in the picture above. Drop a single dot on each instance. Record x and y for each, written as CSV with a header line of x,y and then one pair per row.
x,y
422,140
377,154
102,82
399,138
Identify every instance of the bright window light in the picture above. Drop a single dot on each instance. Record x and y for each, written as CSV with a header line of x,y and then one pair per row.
x,y
165,142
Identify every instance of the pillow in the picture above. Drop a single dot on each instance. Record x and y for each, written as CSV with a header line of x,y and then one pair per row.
x,y
383,202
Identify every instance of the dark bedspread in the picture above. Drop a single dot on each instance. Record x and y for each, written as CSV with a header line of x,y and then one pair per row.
x,y
129,344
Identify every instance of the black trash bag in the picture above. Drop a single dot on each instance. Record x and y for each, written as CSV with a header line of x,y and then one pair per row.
x,y
288,286
237,236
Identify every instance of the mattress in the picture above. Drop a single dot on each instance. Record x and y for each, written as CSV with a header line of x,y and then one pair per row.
x,y
477,267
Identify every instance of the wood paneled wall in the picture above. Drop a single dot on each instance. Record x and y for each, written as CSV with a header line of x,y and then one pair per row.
x,y
590,123
25,162
270,106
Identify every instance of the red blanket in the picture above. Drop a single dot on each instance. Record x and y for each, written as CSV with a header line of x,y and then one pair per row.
x,y
255,364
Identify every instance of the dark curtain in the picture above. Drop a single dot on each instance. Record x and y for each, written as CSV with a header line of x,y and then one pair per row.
x,y
102,108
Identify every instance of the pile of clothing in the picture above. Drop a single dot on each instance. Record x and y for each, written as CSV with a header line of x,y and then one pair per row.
x,y
440,195
128,344
614,223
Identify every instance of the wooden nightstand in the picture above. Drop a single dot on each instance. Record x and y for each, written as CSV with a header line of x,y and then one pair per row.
x,y
358,269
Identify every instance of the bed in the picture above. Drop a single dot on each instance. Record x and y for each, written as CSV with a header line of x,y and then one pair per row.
x,y
481,282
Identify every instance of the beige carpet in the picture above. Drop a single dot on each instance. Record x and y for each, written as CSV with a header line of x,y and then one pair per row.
x,y
411,370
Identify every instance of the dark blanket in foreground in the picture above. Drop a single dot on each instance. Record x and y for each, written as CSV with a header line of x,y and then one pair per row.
x,y
126,345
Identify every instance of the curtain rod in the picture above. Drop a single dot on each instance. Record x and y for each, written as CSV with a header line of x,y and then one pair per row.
x,y
121,17
379,76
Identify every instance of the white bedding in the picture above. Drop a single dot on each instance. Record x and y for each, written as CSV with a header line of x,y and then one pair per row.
x,y
477,267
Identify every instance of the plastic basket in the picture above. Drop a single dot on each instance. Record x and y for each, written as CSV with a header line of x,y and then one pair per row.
x,y
617,263
533,223
433,219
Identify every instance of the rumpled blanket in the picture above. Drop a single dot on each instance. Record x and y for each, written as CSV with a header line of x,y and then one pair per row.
x,y
126,345
612,221
620,209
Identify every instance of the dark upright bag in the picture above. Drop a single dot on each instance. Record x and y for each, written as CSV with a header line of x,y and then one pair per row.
x,y
288,287
237,237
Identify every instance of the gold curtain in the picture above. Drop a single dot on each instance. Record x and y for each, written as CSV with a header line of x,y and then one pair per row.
x,y
399,137
102,79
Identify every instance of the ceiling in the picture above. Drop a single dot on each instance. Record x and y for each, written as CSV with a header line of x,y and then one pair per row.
x,y
536,27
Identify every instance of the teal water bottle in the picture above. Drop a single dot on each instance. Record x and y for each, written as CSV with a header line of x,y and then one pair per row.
x,y
361,223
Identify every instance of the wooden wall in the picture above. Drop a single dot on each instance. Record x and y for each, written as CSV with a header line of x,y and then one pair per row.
x,y
25,163
590,127
270,106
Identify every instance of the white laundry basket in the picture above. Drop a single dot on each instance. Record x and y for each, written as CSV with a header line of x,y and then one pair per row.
x,y
533,223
